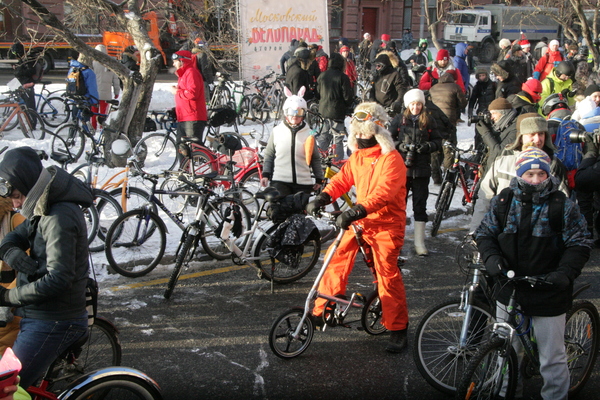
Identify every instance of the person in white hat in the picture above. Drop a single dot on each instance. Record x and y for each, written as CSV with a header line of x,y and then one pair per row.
x,y
548,60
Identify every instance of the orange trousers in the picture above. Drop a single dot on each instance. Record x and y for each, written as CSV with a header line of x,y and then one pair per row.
x,y
386,247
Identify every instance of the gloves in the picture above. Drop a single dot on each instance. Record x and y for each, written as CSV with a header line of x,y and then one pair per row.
x,y
423,148
558,279
482,128
18,260
567,93
495,264
6,316
433,81
348,217
320,201
536,75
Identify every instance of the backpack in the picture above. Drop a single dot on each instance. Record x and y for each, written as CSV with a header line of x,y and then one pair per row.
x,y
555,210
76,83
568,152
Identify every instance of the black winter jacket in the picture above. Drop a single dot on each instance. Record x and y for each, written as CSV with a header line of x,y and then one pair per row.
x,y
523,103
388,87
335,92
407,132
483,94
296,77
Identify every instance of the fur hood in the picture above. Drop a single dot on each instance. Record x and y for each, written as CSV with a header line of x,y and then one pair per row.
x,y
394,60
6,206
370,127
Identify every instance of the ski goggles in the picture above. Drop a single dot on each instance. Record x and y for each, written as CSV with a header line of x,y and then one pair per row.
x,y
363,116
6,188
176,56
294,112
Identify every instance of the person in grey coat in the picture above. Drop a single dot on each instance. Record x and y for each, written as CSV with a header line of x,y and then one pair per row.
x,y
108,85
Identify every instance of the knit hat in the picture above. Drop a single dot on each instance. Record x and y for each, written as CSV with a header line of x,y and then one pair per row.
x,y
525,43
184,54
21,167
344,48
372,126
574,47
500,104
554,42
533,87
593,88
504,43
442,55
516,47
532,158
385,37
414,95
530,123
499,71
366,35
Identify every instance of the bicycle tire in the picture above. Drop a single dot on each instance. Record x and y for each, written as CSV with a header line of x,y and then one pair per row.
x,y
443,205
581,343
108,211
371,315
131,254
306,256
101,349
55,111
213,218
437,352
31,124
257,108
157,151
244,111
182,206
92,218
114,384
181,259
203,162
486,360
136,198
6,112
282,342
72,141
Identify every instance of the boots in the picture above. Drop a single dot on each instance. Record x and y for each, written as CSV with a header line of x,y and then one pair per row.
x,y
420,248
398,341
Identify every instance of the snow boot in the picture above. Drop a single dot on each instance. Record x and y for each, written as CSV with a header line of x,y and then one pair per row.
x,y
420,248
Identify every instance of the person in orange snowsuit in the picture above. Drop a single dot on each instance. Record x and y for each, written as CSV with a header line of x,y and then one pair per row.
x,y
378,172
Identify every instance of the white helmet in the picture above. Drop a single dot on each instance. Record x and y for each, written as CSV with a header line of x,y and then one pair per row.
x,y
295,105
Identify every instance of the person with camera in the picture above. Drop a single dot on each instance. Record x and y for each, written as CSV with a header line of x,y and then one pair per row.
x,y
483,93
417,134
559,80
377,172
537,230
527,99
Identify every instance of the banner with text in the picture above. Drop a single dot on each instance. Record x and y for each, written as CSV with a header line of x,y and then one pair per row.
x,y
268,27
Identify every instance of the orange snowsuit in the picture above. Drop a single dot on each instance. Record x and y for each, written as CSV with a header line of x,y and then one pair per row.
x,y
380,181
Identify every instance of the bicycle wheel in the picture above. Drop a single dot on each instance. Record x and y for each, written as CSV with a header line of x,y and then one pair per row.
x,y
443,205
135,243
490,372
31,124
55,111
114,384
303,259
244,111
182,206
281,339
258,108
72,140
108,211
101,349
183,257
213,219
158,152
581,343
202,163
136,198
6,112
437,351
371,315
91,220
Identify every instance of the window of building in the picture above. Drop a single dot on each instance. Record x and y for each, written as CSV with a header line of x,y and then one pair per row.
x,y
407,20
336,18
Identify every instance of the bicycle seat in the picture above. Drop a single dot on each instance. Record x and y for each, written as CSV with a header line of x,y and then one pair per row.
x,y
187,139
269,194
113,102
61,158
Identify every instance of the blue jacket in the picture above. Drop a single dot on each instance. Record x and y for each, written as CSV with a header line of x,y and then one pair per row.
x,y
460,63
89,77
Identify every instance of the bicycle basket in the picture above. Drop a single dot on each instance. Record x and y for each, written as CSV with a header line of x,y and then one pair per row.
x,y
243,158
221,116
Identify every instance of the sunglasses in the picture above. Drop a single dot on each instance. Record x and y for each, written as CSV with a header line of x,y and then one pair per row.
x,y
5,188
176,56
295,112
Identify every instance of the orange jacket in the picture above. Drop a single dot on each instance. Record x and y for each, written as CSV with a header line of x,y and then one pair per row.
x,y
380,181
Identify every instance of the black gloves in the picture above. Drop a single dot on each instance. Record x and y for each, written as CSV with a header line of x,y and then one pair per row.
x,y
349,216
495,264
320,201
423,148
18,260
567,93
558,279
482,128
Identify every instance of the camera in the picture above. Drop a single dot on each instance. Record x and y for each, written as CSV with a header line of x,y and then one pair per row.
x,y
410,155
484,116
583,136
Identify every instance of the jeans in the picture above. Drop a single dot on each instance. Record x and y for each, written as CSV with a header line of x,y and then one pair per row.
x,y
40,342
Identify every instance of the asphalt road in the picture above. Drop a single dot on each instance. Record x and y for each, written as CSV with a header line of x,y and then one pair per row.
x,y
211,339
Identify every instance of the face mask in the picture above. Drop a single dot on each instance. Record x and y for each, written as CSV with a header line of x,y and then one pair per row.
x,y
528,188
366,143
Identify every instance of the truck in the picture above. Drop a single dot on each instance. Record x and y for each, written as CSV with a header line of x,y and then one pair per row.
x,y
484,26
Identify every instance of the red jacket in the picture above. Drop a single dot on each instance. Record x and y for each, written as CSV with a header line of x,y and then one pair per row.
x,y
546,63
351,72
433,72
190,104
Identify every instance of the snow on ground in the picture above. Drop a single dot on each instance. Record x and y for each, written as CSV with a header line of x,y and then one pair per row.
x,y
163,99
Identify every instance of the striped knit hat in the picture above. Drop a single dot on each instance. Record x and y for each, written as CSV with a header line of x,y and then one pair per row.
x,y
532,158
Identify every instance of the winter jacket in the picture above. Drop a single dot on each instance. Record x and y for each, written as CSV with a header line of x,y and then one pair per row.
x,y
389,88
501,134
460,62
89,79
26,69
322,59
507,87
129,59
56,235
287,55
408,132
296,77
351,72
380,182
448,96
519,68
523,103
105,80
433,73
364,49
545,64
334,90
190,103
537,250
285,157
204,65
556,86
484,92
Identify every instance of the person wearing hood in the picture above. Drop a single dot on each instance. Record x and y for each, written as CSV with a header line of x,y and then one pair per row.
x,y
527,100
460,62
504,45
287,55
131,58
108,85
540,49
423,44
190,102
518,63
417,134
335,97
524,239
501,132
52,278
548,60
532,131
560,80
388,84
297,74
507,82
377,172
442,63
